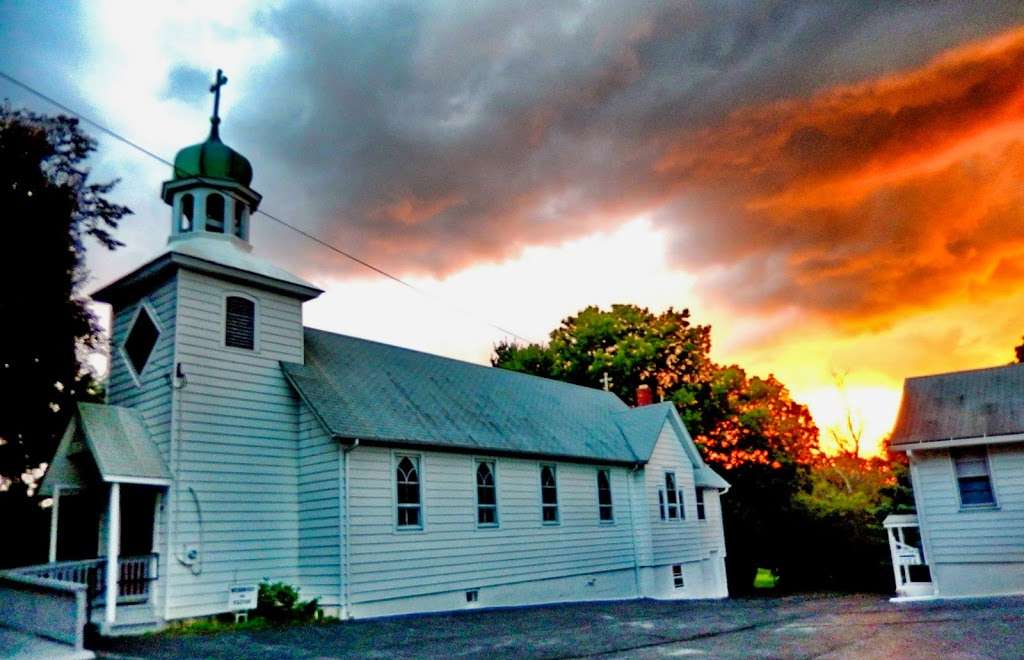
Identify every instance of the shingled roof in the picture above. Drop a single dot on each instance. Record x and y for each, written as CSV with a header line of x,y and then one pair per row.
x,y
380,393
960,405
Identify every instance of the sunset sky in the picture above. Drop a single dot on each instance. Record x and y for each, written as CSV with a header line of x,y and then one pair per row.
x,y
835,189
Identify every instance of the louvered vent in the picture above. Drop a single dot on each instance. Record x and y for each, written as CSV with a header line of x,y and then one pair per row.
x,y
240,323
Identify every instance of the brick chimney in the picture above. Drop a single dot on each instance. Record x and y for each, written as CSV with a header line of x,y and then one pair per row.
x,y
644,396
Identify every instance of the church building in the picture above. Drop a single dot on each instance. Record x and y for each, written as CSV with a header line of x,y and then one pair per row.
x,y
237,445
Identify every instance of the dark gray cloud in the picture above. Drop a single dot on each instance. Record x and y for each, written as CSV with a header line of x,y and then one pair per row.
x,y
428,136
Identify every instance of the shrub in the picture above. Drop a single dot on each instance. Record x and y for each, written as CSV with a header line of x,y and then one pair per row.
x,y
278,602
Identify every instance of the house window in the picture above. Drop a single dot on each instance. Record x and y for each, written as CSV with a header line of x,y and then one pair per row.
x,y
701,513
188,204
140,341
486,495
973,478
407,478
661,503
548,494
672,495
604,496
215,213
677,576
239,322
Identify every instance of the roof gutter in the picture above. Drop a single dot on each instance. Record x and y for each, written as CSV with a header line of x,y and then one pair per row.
x,y
959,442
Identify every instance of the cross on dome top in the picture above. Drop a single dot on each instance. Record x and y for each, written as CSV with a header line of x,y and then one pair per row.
x,y
215,89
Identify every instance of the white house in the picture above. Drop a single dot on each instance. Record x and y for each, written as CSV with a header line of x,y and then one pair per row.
x,y
963,434
237,445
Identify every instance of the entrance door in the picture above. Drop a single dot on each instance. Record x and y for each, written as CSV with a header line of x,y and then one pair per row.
x,y
138,506
77,526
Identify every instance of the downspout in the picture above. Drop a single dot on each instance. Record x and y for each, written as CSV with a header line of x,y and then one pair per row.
x,y
346,596
632,520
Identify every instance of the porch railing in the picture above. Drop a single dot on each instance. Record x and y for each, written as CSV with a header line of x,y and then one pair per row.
x,y
134,576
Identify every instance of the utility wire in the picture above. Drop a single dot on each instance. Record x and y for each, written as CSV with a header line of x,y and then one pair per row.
x,y
362,262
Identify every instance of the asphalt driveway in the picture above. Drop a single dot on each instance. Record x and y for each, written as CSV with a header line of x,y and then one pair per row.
x,y
789,627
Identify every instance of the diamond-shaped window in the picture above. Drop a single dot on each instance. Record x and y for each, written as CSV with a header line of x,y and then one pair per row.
x,y
141,340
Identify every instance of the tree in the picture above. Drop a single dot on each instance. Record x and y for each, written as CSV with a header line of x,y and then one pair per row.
x,y
1020,352
629,343
50,208
747,427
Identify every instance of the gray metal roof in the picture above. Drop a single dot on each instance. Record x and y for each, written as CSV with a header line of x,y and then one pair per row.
x,y
109,443
963,404
375,392
643,425
120,444
372,391
218,256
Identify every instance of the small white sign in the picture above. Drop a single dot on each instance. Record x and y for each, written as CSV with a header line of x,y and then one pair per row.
x,y
242,597
908,557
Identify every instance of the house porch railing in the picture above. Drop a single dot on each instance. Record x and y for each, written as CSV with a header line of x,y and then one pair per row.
x,y
909,565
134,576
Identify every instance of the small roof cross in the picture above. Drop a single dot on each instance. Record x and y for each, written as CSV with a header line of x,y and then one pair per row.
x,y
215,88
607,380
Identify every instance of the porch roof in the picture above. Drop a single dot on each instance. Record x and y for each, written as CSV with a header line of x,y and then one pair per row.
x,y
119,443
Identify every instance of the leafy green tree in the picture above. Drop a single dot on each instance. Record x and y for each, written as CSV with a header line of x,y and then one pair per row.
x,y
49,208
630,344
748,427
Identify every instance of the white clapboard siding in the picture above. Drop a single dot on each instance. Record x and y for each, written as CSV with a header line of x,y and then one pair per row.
x,y
151,396
239,450
452,553
320,486
986,535
674,541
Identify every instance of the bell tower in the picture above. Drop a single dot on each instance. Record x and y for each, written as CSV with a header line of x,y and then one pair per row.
x,y
209,193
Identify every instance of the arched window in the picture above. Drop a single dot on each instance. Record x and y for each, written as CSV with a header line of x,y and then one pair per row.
x,y
486,495
239,322
548,494
604,496
215,213
188,204
407,478
239,228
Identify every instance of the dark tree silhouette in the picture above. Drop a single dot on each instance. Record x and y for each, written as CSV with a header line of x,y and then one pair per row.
x,y
49,209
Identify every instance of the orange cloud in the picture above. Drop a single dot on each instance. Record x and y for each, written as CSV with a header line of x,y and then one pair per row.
x,y
865,200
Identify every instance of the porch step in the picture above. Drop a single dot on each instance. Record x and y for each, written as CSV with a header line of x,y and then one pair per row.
x,y
131,620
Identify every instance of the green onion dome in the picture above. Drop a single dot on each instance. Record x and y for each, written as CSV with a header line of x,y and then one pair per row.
x,y
212,159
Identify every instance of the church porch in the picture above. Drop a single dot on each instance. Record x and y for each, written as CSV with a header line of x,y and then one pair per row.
x,y
107,483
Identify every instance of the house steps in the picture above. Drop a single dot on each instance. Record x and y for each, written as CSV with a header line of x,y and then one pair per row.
x,y
131,620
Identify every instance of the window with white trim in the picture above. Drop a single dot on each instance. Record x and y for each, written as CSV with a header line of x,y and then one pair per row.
x,y
661,503
677,576
548,494
701,512
486,495
407,485
671,495
605,511
973,477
